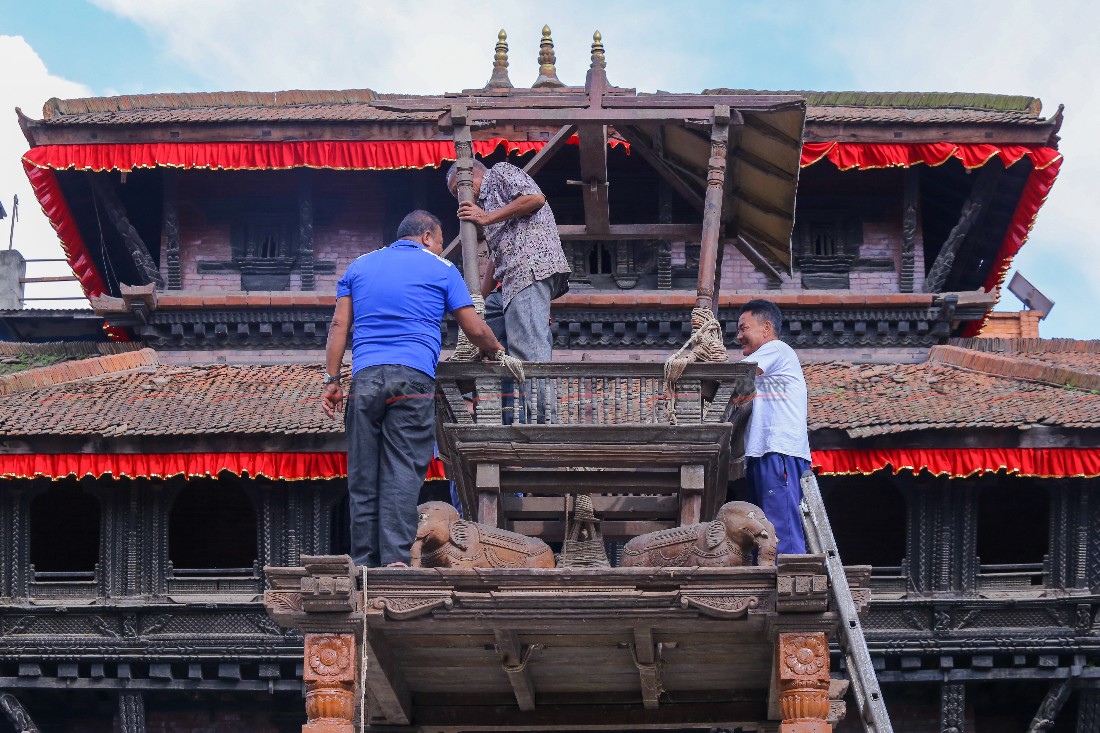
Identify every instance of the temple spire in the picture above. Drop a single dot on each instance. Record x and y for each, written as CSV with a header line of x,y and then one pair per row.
x,y
599,61
499,79
548,74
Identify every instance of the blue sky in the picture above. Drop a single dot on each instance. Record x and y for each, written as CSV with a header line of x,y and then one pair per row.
x,y
1048,50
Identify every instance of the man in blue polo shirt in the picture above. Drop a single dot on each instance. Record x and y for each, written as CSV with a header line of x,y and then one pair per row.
x,y
393,300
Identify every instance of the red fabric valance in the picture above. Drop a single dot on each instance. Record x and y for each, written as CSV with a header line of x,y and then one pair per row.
x,y
1045,161
962,462
283,466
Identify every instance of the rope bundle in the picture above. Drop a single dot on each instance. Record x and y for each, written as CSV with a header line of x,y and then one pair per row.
x,y
706,345
466,351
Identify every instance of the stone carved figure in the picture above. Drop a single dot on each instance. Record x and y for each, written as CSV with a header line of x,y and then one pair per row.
x,y
443,540
728,541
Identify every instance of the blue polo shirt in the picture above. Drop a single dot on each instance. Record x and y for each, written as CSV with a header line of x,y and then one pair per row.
x,y
399,295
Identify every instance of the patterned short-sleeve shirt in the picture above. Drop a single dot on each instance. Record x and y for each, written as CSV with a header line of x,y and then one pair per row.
x,y
525,249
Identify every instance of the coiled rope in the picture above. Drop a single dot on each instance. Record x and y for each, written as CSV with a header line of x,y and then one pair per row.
x,y
466,351
706,345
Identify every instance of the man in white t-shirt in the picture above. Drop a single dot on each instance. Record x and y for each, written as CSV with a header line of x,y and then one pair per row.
x,y
777,446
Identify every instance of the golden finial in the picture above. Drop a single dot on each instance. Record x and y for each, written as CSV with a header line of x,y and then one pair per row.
x,y
599,61
548,74
499,79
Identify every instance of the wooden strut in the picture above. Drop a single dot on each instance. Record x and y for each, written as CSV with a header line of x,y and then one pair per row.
x,y
116,212
646,659
712,206
973,210
514,658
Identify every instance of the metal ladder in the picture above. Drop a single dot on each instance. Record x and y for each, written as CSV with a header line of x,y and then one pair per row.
x,y
861,673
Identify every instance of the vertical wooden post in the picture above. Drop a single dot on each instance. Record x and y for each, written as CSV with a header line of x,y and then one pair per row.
x,y
712,206
802,668
467,230
692,483
910,198
487,479
329,674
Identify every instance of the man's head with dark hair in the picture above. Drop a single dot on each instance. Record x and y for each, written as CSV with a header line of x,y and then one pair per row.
x,y
422,227
452,177
760,322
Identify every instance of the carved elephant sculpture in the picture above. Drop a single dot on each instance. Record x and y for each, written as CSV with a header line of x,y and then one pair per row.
x,y
728,541
443,540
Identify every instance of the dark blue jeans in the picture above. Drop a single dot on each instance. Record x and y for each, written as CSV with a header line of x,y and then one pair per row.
x,y
774,487
390,422
523,328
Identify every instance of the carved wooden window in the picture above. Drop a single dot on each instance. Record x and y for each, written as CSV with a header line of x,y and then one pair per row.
x,y
64,539
265,249
616,264
1013,533
212,532
826,245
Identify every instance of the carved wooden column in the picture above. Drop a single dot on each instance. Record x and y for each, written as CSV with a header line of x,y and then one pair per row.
x,y
909,230
952,707
464,179
330,683
172,231
1088,711
131,712
712,206
802,669
305,227
321,599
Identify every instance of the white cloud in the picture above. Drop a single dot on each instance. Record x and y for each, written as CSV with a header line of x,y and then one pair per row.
x,y
27,85
422,47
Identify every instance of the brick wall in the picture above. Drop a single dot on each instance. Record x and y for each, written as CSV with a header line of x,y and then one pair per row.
x,y
349,215
1014,325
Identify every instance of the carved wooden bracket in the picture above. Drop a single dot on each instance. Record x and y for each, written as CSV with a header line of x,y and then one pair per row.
x,y
802,671
801,584
724,606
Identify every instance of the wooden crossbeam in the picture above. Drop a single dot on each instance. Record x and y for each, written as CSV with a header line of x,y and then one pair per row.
x,y
594,116
514,658
689,232
763,165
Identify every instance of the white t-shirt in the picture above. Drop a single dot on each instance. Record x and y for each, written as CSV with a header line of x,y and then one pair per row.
x,y
778,422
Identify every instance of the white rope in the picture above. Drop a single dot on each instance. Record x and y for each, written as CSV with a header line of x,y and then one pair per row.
x,y
466,351
706,345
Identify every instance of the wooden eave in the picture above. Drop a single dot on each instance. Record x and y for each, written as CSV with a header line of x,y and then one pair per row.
x,y
879,132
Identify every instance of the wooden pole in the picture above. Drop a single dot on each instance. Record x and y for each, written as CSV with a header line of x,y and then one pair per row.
x,y
467,230
712,206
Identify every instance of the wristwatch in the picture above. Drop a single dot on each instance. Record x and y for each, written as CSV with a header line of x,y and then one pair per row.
x,y
331,379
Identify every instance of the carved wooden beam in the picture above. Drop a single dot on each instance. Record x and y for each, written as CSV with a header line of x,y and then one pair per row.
x,y
633,231
116,212
514,658
910,199
972,211
712,208
1050,706
172,229
649,671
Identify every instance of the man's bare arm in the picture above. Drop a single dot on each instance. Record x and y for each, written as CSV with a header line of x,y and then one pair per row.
x,y
519,206
477,330
334,353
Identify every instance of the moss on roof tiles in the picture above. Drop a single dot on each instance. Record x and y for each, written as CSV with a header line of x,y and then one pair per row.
x,y
908,100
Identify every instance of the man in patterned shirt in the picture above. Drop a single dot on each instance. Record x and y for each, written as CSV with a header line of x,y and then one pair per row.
x,y
525,256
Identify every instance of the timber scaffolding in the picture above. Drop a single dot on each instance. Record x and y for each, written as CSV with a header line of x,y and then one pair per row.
x,y
586,648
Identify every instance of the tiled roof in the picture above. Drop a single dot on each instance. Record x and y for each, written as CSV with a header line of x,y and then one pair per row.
x,y
1077,355
21,357
174,400
862,400
61,370
364,105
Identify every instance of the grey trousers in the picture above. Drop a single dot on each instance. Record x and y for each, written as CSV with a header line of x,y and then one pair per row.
x,y
390,423
523,328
